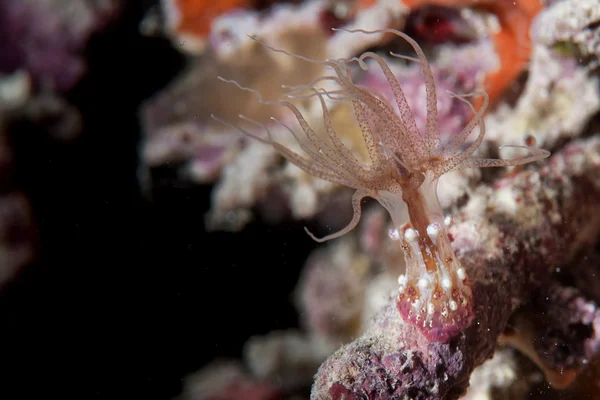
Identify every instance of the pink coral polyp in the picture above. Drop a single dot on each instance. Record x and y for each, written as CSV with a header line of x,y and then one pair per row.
x,y
405,164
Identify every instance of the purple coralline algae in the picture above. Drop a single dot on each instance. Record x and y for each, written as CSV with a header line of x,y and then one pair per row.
x,y
47,38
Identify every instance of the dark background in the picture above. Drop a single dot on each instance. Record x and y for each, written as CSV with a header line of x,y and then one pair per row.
x,y
130,293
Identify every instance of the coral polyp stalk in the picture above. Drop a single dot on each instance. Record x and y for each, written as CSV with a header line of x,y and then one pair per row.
x,y
405,164
435,293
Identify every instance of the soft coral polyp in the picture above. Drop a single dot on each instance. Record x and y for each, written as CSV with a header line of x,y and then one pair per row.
x,y
435,294
405,164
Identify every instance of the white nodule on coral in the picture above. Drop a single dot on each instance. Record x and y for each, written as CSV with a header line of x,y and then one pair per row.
x,y
446,283
423,283
417,304
411,235
402,280
433,230
447,220
394,234
461,273
453,305
430,308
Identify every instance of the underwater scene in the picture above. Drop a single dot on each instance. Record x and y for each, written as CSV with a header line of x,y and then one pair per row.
x,y
301,199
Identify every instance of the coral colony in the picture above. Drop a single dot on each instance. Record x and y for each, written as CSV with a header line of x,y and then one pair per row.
x,y
405,164
467,283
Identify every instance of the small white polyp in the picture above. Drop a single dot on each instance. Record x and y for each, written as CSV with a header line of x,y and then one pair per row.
x,y
446,283
417,304
433,230
402,280
411,235
447,220
430,308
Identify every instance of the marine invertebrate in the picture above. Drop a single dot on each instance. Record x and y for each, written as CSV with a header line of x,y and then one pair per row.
x,y
405,164
508,257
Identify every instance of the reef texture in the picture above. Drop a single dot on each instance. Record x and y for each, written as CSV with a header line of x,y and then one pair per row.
x,y
289,358
47,37
561,339
225,381
525,236
18,239
43,44
508,252
570,26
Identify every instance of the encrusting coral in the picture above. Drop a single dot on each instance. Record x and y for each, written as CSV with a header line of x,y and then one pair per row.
x,y
405,164
570,26
508,254
522,239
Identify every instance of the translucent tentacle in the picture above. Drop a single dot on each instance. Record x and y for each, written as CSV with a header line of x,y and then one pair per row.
x,y
345,80
329,94
319,159
460,156
356,206
239,128
308,86
534,154
323,148
433,130
382,110
413,137
329,63
404,57
352,162
361,113
309,165
316,147
457,141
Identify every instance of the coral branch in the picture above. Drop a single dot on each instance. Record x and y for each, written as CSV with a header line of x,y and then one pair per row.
x,y
508,253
